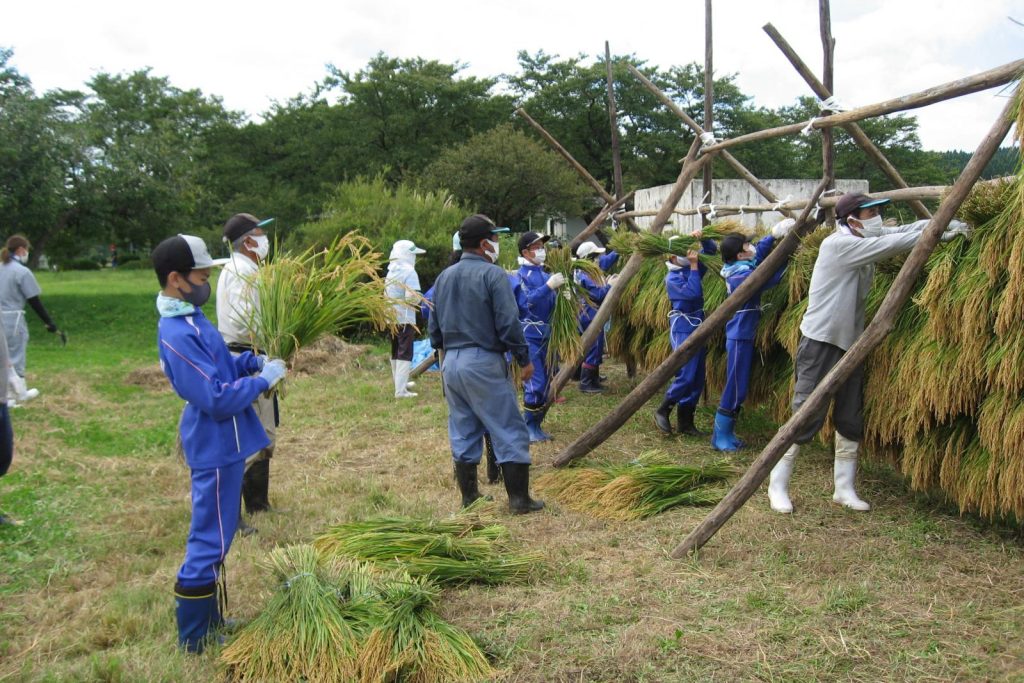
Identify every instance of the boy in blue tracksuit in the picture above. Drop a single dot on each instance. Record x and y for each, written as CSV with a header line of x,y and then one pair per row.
x,y
686,296
535,291
219,428
590,372
740,259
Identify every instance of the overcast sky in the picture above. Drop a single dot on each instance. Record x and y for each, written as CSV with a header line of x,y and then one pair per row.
x,y
257,52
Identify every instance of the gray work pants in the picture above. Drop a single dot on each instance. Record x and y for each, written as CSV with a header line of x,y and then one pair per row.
x,y
814,359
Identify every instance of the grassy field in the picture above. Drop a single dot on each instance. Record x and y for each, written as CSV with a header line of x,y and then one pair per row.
x,y
909,591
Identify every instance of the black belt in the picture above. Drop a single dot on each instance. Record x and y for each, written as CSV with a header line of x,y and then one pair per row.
x,y
242,348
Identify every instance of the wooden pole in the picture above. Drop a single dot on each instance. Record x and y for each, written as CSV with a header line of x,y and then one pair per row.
x,y
855,131
583,173
613,121
904,195
728,158
828,150
983,81
423,366
691,167
599,220
709,106
879,328
653,383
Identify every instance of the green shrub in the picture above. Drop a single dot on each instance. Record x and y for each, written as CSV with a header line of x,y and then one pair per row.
x,y
81,264
385,215
136,264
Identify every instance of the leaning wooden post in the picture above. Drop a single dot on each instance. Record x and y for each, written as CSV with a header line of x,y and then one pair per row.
x,y
828,150
855,131
742,170
709,106
613,122
879,328
577,166
657,379
982,81
691,167
424,365
598,221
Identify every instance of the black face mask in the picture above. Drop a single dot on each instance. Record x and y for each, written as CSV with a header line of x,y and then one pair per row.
x,y
199,295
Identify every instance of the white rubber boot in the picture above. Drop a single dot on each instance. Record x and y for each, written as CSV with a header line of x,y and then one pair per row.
x,y
845,473
402,370
778,482
18,387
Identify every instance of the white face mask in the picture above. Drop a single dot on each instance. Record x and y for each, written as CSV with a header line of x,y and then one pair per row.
x,y
871,227
493,255
672,265
539,257
262,247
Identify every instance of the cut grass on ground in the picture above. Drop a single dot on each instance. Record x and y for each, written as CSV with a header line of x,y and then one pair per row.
x,y
905,592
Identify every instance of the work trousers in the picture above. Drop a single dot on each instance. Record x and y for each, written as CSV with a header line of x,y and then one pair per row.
x,y
535,389
481,399
402,341
813,361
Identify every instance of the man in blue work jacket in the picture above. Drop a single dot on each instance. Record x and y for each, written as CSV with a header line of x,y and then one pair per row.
x,y
475,322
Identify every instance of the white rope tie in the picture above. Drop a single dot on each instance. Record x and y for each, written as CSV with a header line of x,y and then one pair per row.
x,y
707,138
831,103
809,128
711,212
288,583
778,205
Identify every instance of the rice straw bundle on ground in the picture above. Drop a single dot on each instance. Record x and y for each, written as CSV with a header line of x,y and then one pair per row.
x,y
643,488
564,342
311,629
468,547
411,643
319,292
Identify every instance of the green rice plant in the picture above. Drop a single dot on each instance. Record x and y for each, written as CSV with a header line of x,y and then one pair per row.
x,y
316,293
564,342
412,643
643,488
467,547
311,628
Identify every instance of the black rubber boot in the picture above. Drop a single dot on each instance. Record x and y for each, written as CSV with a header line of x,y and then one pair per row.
x,y
517,484
589,382
493,471
465,474
684,414
663,417
196,611
256,487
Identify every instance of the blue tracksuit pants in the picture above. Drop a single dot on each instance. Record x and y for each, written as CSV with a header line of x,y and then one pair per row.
x,y
739,359
216,503
688,383
535,389
481,399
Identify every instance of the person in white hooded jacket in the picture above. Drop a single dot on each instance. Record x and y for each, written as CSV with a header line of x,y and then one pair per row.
x,y
834,320
403,287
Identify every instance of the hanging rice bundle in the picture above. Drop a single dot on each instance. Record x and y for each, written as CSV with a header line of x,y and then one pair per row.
x,y
319,292
312,627
564,342
643,488
468,547
412,643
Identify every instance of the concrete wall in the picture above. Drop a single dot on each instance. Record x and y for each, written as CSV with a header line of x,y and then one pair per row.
x,y
733,193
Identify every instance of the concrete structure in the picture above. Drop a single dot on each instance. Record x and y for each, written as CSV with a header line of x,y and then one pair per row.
x,y
732,193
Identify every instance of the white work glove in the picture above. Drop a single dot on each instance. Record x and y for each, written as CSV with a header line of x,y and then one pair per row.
x,y
556,281
782,228
274,371
955,229
261,360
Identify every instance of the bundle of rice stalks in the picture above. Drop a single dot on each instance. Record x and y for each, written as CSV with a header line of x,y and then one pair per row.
x,y
412,643
643,488
468,547
564,341
319,292
311,629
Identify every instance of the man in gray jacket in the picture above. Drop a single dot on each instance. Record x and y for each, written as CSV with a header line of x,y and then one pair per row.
x,y
834,320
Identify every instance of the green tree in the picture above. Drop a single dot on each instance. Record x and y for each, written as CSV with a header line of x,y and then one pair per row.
x,y
508,176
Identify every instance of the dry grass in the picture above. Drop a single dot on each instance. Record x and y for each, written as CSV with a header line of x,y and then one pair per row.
x,y
907,592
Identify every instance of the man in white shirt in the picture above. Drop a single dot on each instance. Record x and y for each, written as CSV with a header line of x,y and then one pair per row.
x,y
839,287
236,299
